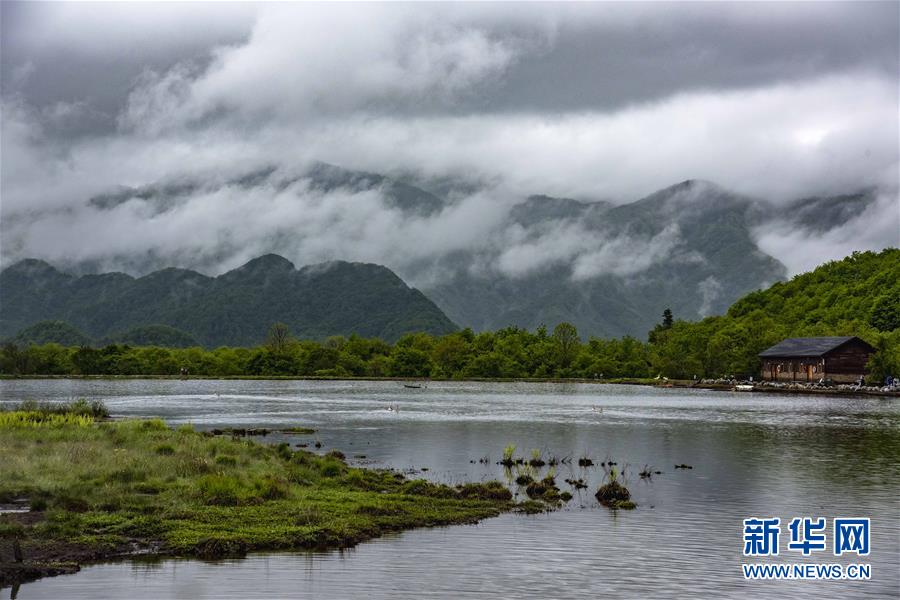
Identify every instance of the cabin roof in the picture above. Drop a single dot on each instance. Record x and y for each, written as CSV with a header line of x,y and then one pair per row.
x,y
811,346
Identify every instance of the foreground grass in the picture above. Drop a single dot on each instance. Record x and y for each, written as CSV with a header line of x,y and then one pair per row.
x,y
104,489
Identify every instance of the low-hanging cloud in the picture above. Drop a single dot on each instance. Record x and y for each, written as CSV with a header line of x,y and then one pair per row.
x,y
710,290
801,250
409,91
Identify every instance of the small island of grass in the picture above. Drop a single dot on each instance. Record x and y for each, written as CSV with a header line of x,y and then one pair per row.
x,y
92,489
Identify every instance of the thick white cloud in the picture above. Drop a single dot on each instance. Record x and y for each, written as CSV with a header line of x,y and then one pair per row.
x,y
521,251
300,65
755,141
403,90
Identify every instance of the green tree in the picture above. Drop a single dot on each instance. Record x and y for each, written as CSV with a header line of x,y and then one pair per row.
x,y
492,364
668,320
266,362
565,336
450,354
410,362
319,358
884,362
657,334
279,338
13,360
886,312
87,361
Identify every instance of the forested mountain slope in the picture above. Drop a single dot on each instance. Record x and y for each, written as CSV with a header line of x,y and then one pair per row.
x,y
236,308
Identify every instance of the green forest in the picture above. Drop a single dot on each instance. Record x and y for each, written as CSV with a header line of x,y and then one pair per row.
x,y
859,295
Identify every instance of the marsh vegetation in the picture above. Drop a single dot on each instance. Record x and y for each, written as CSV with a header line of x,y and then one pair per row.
x,y
100,488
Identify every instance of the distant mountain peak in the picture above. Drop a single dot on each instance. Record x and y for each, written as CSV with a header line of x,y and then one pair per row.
x,y
692,185
268,263
33,267
30,264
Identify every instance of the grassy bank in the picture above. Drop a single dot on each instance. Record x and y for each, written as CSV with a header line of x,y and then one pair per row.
x,y
100,489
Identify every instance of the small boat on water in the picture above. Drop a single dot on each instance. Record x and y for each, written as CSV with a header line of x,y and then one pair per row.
x,y
413,386
743,387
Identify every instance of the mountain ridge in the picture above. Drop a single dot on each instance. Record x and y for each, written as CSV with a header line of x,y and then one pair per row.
x,y
235,308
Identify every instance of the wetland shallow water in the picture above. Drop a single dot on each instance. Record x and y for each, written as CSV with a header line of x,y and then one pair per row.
x,y
752,455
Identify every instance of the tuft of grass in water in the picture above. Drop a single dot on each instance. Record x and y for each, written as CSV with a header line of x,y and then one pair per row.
x,y
298,430
614,494
524,474
508,456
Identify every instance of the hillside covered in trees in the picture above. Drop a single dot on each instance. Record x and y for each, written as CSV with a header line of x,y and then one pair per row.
x,y
179,307
859,295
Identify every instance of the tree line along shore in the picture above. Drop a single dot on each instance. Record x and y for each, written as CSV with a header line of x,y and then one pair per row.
x,y
859,295
678,351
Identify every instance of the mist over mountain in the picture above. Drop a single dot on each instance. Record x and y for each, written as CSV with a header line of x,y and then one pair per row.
x,y
611,269
236,308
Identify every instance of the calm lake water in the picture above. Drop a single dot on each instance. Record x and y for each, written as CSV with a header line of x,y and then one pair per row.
x,y
753,455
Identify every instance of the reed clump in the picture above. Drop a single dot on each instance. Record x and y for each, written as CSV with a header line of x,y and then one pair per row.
x,y
614,494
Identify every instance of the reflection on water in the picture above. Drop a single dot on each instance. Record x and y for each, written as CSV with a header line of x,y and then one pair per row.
x,y
752,455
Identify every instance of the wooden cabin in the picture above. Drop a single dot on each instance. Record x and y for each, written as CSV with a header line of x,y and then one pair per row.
x,y
838,359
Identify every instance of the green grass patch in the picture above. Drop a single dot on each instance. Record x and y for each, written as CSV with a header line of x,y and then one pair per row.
x,y
30,414
20,418
101,485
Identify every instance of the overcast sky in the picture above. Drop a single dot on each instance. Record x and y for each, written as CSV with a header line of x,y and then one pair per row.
x,y
592,101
